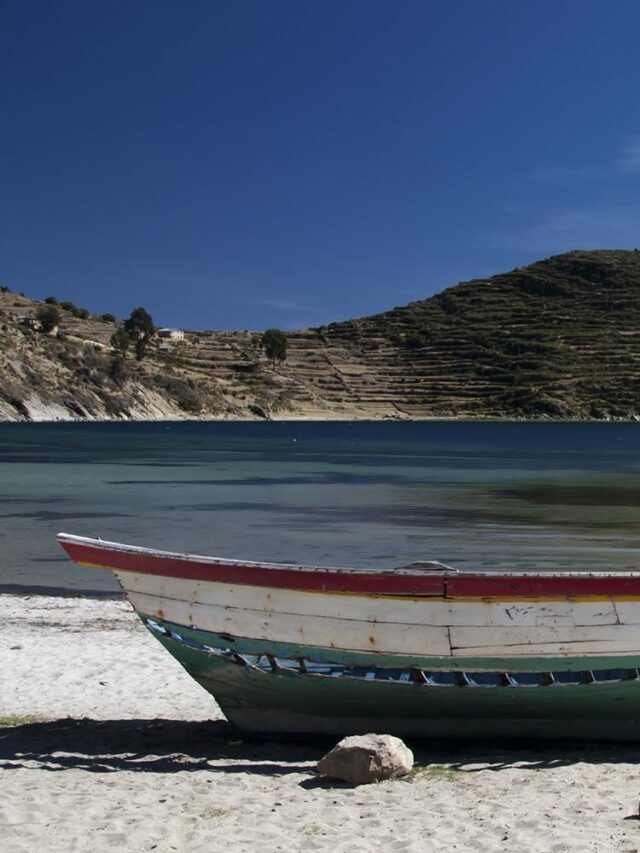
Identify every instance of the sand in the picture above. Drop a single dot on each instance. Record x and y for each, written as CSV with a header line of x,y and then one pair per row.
x,y
106,744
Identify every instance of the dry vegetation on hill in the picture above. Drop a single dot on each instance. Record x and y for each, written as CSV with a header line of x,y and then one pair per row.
x,y
557,339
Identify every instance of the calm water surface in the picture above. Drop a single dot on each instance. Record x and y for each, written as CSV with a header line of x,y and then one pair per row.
x,y
506,496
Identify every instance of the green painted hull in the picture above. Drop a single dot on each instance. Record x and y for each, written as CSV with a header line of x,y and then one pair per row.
x,y
504,663
289,701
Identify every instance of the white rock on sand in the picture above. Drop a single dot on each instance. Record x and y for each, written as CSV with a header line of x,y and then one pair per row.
x,y
363,759
138,758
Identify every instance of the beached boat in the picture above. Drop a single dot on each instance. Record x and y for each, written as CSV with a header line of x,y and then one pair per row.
x,y
421,650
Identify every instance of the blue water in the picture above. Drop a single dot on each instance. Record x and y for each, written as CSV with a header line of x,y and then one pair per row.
x,y
505,496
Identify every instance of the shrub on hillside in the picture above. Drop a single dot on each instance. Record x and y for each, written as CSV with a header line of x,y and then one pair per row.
x,y
48,317
184,392
414,340
118,370
115,407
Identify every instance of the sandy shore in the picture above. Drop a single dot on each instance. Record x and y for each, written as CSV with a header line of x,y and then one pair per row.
x,y
106,744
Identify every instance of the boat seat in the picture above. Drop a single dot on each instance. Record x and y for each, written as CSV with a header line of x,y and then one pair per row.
x,y
426,566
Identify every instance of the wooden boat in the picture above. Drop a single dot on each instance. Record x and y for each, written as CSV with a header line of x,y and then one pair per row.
x,y
421,650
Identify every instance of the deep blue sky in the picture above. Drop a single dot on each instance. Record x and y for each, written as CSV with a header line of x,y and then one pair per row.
x,y
241,164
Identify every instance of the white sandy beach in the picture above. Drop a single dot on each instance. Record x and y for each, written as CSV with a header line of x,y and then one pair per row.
x,y
107,744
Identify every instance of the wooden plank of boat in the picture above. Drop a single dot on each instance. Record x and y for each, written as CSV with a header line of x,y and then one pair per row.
x,y
326,631
511,614
378,609
127,558
441,583
504,661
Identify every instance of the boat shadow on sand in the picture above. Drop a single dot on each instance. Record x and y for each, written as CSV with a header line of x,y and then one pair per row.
x,y
173,746
147,746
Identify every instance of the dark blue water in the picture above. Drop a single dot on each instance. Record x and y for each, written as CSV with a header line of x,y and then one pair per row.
x,y
506,496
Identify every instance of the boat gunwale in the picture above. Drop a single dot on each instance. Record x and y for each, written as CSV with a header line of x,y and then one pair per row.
x,y
435,570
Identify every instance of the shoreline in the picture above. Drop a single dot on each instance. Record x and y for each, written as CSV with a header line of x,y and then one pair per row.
x,y
43,591
386,419
142,759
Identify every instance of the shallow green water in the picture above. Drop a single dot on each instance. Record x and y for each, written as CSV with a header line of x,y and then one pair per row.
x,y
512,496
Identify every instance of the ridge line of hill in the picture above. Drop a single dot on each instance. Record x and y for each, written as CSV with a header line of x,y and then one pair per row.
x,y
557,339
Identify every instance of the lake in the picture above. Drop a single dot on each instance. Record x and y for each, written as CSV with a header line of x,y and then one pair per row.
x,y
472,495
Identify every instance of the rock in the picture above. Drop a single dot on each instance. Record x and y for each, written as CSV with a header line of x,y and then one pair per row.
x,y
362,759
259,411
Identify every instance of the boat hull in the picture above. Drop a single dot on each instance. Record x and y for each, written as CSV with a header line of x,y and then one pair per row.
x,y
428,652
287,701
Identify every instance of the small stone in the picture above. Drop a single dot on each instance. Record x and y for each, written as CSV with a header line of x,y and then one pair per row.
x,y
362,759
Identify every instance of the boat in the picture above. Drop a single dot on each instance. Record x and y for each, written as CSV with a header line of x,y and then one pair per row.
x,y
419,650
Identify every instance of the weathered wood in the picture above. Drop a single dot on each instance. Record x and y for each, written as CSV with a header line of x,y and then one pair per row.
x,y
438,612
322,631
293,702
565,639
329,631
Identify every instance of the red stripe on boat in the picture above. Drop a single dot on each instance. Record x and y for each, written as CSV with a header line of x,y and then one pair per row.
x,y
478,586
541,586
278,578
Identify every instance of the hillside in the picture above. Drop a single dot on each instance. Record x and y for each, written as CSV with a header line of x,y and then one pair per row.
x,y
556,339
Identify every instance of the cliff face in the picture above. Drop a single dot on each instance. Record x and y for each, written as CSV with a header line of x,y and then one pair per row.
x,y
557,339
40,379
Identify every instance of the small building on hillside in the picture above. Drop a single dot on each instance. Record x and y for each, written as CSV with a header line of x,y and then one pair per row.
x,y
171,334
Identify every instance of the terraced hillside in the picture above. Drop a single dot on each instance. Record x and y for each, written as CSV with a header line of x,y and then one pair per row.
x,y
557,339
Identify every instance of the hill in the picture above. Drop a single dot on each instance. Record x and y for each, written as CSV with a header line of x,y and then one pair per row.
x,y
556,339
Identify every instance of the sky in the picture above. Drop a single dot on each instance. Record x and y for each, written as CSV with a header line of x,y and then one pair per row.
x,y
289,163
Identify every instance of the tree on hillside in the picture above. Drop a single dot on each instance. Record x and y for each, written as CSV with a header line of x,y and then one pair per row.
x,y
49,318
274,344
120,341
140,329
118,370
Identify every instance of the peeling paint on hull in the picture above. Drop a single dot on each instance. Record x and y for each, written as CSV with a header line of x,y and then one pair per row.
x,y
264,703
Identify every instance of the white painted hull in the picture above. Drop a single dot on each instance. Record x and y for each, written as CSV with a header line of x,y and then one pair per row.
x,y
405,626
